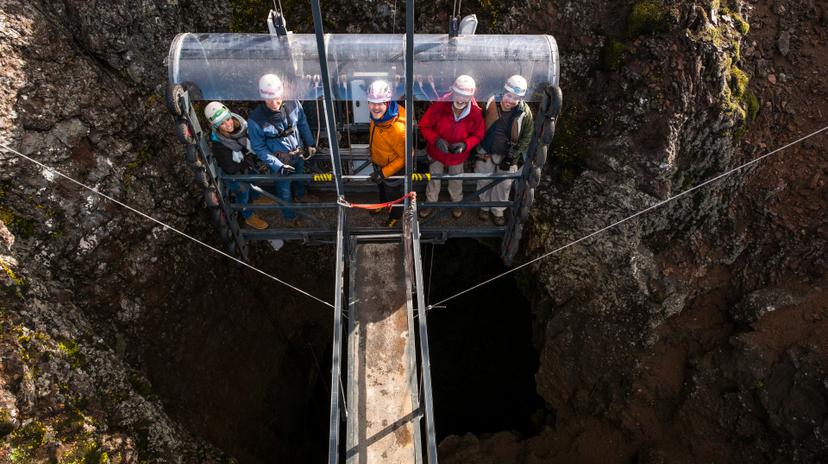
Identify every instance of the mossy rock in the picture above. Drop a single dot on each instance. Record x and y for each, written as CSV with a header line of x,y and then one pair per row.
x,y
753,106
26,440
7,424
738,81
647,17
21,226
611,55
741,25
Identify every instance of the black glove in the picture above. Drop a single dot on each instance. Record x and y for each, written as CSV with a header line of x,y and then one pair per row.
x,y
377,177
286,170
458,147
442,145
506,163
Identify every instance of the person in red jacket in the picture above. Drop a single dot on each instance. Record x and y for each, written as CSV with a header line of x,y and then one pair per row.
x,y
452,129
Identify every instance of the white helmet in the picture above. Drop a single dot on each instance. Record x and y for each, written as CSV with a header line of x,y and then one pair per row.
x,y
517,85
216,113
270,87
379,92
463,85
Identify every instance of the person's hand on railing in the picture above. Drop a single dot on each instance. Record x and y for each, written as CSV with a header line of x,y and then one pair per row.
x,y
377,177
309,152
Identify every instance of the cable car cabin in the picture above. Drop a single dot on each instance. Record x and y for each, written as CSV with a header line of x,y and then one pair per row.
x,y
227,68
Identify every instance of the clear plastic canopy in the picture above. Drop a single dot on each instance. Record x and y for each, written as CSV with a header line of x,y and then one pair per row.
x,y
228,66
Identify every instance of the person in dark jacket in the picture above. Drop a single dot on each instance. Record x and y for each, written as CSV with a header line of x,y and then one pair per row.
x,y
452,129
280,136
229,145
509,125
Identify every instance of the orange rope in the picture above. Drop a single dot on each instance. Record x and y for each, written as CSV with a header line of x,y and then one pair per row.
x,y
412,195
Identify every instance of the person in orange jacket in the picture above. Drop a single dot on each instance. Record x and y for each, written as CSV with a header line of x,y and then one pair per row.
x,y
386,144
452,128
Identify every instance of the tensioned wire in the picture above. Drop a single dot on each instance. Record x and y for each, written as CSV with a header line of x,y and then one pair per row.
x,y
432,306
633,216
166,226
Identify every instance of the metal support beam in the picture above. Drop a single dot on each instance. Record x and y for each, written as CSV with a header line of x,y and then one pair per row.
x,y
336,360
409,95
425,356
330,118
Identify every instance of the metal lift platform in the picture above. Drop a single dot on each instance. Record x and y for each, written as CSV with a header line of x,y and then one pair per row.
x,y
386,399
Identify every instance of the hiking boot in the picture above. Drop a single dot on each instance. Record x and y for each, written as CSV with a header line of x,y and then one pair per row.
x,y
263,200
391,222
500,220
308,198
483,215
256,222
424,213
456,212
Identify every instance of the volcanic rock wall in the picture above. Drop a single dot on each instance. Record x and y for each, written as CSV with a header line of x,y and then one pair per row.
x,y
693,333
696,332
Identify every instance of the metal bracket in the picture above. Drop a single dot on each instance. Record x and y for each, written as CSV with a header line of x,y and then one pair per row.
x,y
276,23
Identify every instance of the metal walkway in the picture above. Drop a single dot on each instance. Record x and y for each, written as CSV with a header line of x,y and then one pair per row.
x,y
382,370
385,401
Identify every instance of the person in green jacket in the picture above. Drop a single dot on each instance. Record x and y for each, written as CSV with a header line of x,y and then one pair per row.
x,y
509,125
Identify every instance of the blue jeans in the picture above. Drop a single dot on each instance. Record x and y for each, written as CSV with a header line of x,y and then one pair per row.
x,y
243,194
283,188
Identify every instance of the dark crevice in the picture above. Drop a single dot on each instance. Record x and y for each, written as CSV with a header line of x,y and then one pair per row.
x,y
482,359
255,381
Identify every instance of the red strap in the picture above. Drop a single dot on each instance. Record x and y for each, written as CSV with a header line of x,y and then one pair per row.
x,y
377,205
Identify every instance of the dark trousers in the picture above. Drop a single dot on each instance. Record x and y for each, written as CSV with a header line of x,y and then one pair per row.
x,y
392,192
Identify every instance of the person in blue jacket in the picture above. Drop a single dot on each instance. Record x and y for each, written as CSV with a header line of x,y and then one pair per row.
x,y
281,137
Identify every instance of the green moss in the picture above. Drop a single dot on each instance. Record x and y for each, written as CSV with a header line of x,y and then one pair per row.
x,y
17,281
741,25
646,17
491,10
753,106
141,386
142,156
6,422
26,440
738,81
87,451
19,225
72,352
739,101
610,58
94,455
567,152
